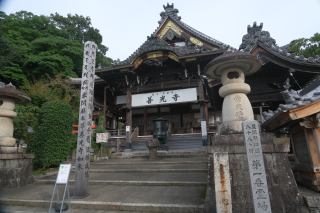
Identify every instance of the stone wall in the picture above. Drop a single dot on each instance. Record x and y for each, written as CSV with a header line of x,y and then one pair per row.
x,y
15,168
283,190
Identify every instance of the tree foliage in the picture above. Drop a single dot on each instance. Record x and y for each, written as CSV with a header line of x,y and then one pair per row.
x,y
308,47
33,47
52,141
26,122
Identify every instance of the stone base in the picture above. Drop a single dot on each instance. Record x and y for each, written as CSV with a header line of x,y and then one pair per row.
x,y
15,168
7,141
153,144
283,190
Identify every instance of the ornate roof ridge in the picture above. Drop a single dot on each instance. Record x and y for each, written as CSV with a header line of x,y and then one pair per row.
x,y
255,35
293,100
171,12
154,43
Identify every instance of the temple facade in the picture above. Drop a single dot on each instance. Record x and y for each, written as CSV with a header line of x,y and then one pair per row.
x,y
164,78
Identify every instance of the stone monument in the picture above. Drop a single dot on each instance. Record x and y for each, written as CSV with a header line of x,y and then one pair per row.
x,y
81,184
247,172
15,164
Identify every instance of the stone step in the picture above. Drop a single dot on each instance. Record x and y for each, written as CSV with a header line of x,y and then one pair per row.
x,y
150,166
175,153
29,209
168,177
152,163
42,206
144,170
131,183
119,197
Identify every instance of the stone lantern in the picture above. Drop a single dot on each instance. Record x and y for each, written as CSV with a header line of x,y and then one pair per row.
x,y
15,164
9,96
231,68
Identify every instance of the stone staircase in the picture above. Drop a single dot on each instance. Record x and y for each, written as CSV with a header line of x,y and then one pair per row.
x,y
176,142
126,185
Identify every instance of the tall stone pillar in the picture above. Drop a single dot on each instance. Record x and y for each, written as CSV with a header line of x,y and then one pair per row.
x,y
81,185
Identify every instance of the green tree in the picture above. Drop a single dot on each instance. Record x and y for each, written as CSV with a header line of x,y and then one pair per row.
x,y
79,27
308,47
33,47
26,120
53,137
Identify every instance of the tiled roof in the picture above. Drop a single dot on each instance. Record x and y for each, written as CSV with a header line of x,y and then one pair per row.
x,y
255,35
155,43
295,99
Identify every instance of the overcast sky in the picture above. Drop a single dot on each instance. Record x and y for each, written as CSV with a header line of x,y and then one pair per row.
x,y
125,24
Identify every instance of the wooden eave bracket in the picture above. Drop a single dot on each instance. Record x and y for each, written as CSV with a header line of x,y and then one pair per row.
x,y
311,121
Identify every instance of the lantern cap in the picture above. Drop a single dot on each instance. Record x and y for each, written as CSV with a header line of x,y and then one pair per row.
x,y
248,63
8,90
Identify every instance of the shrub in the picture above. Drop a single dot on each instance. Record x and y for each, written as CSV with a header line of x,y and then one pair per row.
x,y
53,138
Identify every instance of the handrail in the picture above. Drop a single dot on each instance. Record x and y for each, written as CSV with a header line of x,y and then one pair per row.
x,y
134,134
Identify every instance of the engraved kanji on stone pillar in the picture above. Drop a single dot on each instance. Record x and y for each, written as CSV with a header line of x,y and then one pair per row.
x,y
222,182
257,172
85,121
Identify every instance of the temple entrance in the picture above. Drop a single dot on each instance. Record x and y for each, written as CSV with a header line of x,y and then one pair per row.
x,y
184,118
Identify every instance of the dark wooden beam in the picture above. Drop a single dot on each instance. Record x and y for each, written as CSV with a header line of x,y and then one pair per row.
x,y
164,86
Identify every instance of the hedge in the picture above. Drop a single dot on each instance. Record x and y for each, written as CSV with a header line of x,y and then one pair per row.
x,y
53,139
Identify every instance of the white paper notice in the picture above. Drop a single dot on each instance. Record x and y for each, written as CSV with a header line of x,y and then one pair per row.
x,y
63,174
204,127
128,128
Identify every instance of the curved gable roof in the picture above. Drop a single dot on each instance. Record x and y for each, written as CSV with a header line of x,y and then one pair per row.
x,y
256,36
154,43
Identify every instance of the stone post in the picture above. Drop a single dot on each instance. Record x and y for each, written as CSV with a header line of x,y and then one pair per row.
x,y
81,184
153,145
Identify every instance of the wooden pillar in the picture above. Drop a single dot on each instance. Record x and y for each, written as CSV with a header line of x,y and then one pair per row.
x,y
105,105
145,131
202,110
207,114
128,120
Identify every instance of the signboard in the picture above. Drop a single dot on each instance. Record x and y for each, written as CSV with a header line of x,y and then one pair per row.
x,y
62,178
204,127
63,174
102,137
258,178
127,128
164,97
